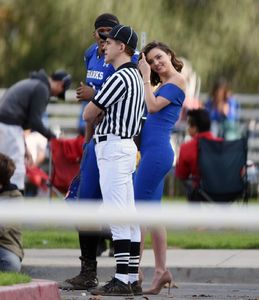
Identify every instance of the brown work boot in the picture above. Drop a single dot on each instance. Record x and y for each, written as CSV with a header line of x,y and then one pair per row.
x,y
86,279
114,287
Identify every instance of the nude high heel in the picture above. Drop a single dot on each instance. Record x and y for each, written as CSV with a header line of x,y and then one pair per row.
x,y
166,278
173,285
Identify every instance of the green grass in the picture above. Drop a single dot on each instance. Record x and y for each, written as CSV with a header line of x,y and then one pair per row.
x,y
192,239
196,239
51,238
10,278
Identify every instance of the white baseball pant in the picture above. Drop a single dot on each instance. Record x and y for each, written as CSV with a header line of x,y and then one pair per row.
x,y
116,159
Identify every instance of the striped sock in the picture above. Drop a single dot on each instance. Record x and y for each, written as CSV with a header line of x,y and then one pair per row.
x,y
122,254
134,262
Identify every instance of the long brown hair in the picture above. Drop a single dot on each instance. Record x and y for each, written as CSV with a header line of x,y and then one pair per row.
x,y
177,63
220,83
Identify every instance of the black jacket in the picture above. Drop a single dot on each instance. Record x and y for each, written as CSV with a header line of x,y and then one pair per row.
x,y
24,103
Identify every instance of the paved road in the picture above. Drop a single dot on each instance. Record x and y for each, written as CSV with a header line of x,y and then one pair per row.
x,y
200,274
185,291
206,266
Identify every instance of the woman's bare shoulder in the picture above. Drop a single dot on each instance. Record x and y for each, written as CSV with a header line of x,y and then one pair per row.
x,y
179,81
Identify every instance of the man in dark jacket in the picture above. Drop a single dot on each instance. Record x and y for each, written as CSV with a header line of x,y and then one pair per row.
x,y
21,108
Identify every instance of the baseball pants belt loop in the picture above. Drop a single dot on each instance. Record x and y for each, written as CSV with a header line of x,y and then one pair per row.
x,y
103,138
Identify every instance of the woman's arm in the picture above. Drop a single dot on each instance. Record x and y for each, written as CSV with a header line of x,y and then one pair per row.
x,y
154,104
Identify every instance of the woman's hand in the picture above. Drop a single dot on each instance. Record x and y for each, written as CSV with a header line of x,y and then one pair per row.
x,y
144,68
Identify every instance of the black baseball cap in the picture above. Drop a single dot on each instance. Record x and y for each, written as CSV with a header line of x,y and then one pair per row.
x,y
61,75
122,33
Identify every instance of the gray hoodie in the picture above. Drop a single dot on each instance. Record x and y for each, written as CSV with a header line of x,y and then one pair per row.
x,y
24,103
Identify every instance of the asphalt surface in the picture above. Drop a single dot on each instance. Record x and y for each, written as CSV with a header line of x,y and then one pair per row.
x,y
185,291
199,274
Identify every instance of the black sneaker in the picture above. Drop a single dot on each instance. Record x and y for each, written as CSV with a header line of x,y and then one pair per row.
x,y
136,288
114,287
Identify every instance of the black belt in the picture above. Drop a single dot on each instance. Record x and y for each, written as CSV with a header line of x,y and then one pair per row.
x,y
103,138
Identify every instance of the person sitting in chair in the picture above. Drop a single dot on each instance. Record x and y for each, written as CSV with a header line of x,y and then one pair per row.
x,y
11,249
199,123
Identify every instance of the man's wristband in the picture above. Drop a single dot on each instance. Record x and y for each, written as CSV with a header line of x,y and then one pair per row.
x,y
146,82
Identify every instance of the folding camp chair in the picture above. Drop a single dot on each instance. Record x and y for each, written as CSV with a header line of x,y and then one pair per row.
x,y
222,166
39,179
64,164
65,157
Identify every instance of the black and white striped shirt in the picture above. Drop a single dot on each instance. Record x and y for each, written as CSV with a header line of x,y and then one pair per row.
x,y
122,97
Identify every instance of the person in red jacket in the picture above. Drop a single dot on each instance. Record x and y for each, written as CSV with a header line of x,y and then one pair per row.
x,y
187,164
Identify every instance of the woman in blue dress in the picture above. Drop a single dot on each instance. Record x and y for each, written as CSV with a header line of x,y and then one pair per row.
x,y
159,67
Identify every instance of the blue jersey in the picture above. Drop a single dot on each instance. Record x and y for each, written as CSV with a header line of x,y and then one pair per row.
x,y
97,72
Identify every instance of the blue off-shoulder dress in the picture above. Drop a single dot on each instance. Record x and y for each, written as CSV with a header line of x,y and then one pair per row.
x,y
157,155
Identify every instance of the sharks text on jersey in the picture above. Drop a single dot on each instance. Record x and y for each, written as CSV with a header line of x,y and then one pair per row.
x,y
94,74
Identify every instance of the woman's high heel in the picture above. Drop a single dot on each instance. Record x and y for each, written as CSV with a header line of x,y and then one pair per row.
x,y
172,285
166,278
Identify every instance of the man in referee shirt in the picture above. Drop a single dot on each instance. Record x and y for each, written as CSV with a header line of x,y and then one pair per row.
x,y
116,113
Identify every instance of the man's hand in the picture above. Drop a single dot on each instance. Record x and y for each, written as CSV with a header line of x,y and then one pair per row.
x,y
84,92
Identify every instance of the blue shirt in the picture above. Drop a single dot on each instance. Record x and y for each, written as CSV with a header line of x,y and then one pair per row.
x,y
233,113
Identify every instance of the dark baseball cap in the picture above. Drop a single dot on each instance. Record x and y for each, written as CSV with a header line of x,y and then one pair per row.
x,y
61,75
122,33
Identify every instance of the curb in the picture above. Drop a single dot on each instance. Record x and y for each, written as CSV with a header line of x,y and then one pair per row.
x,y
37,289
